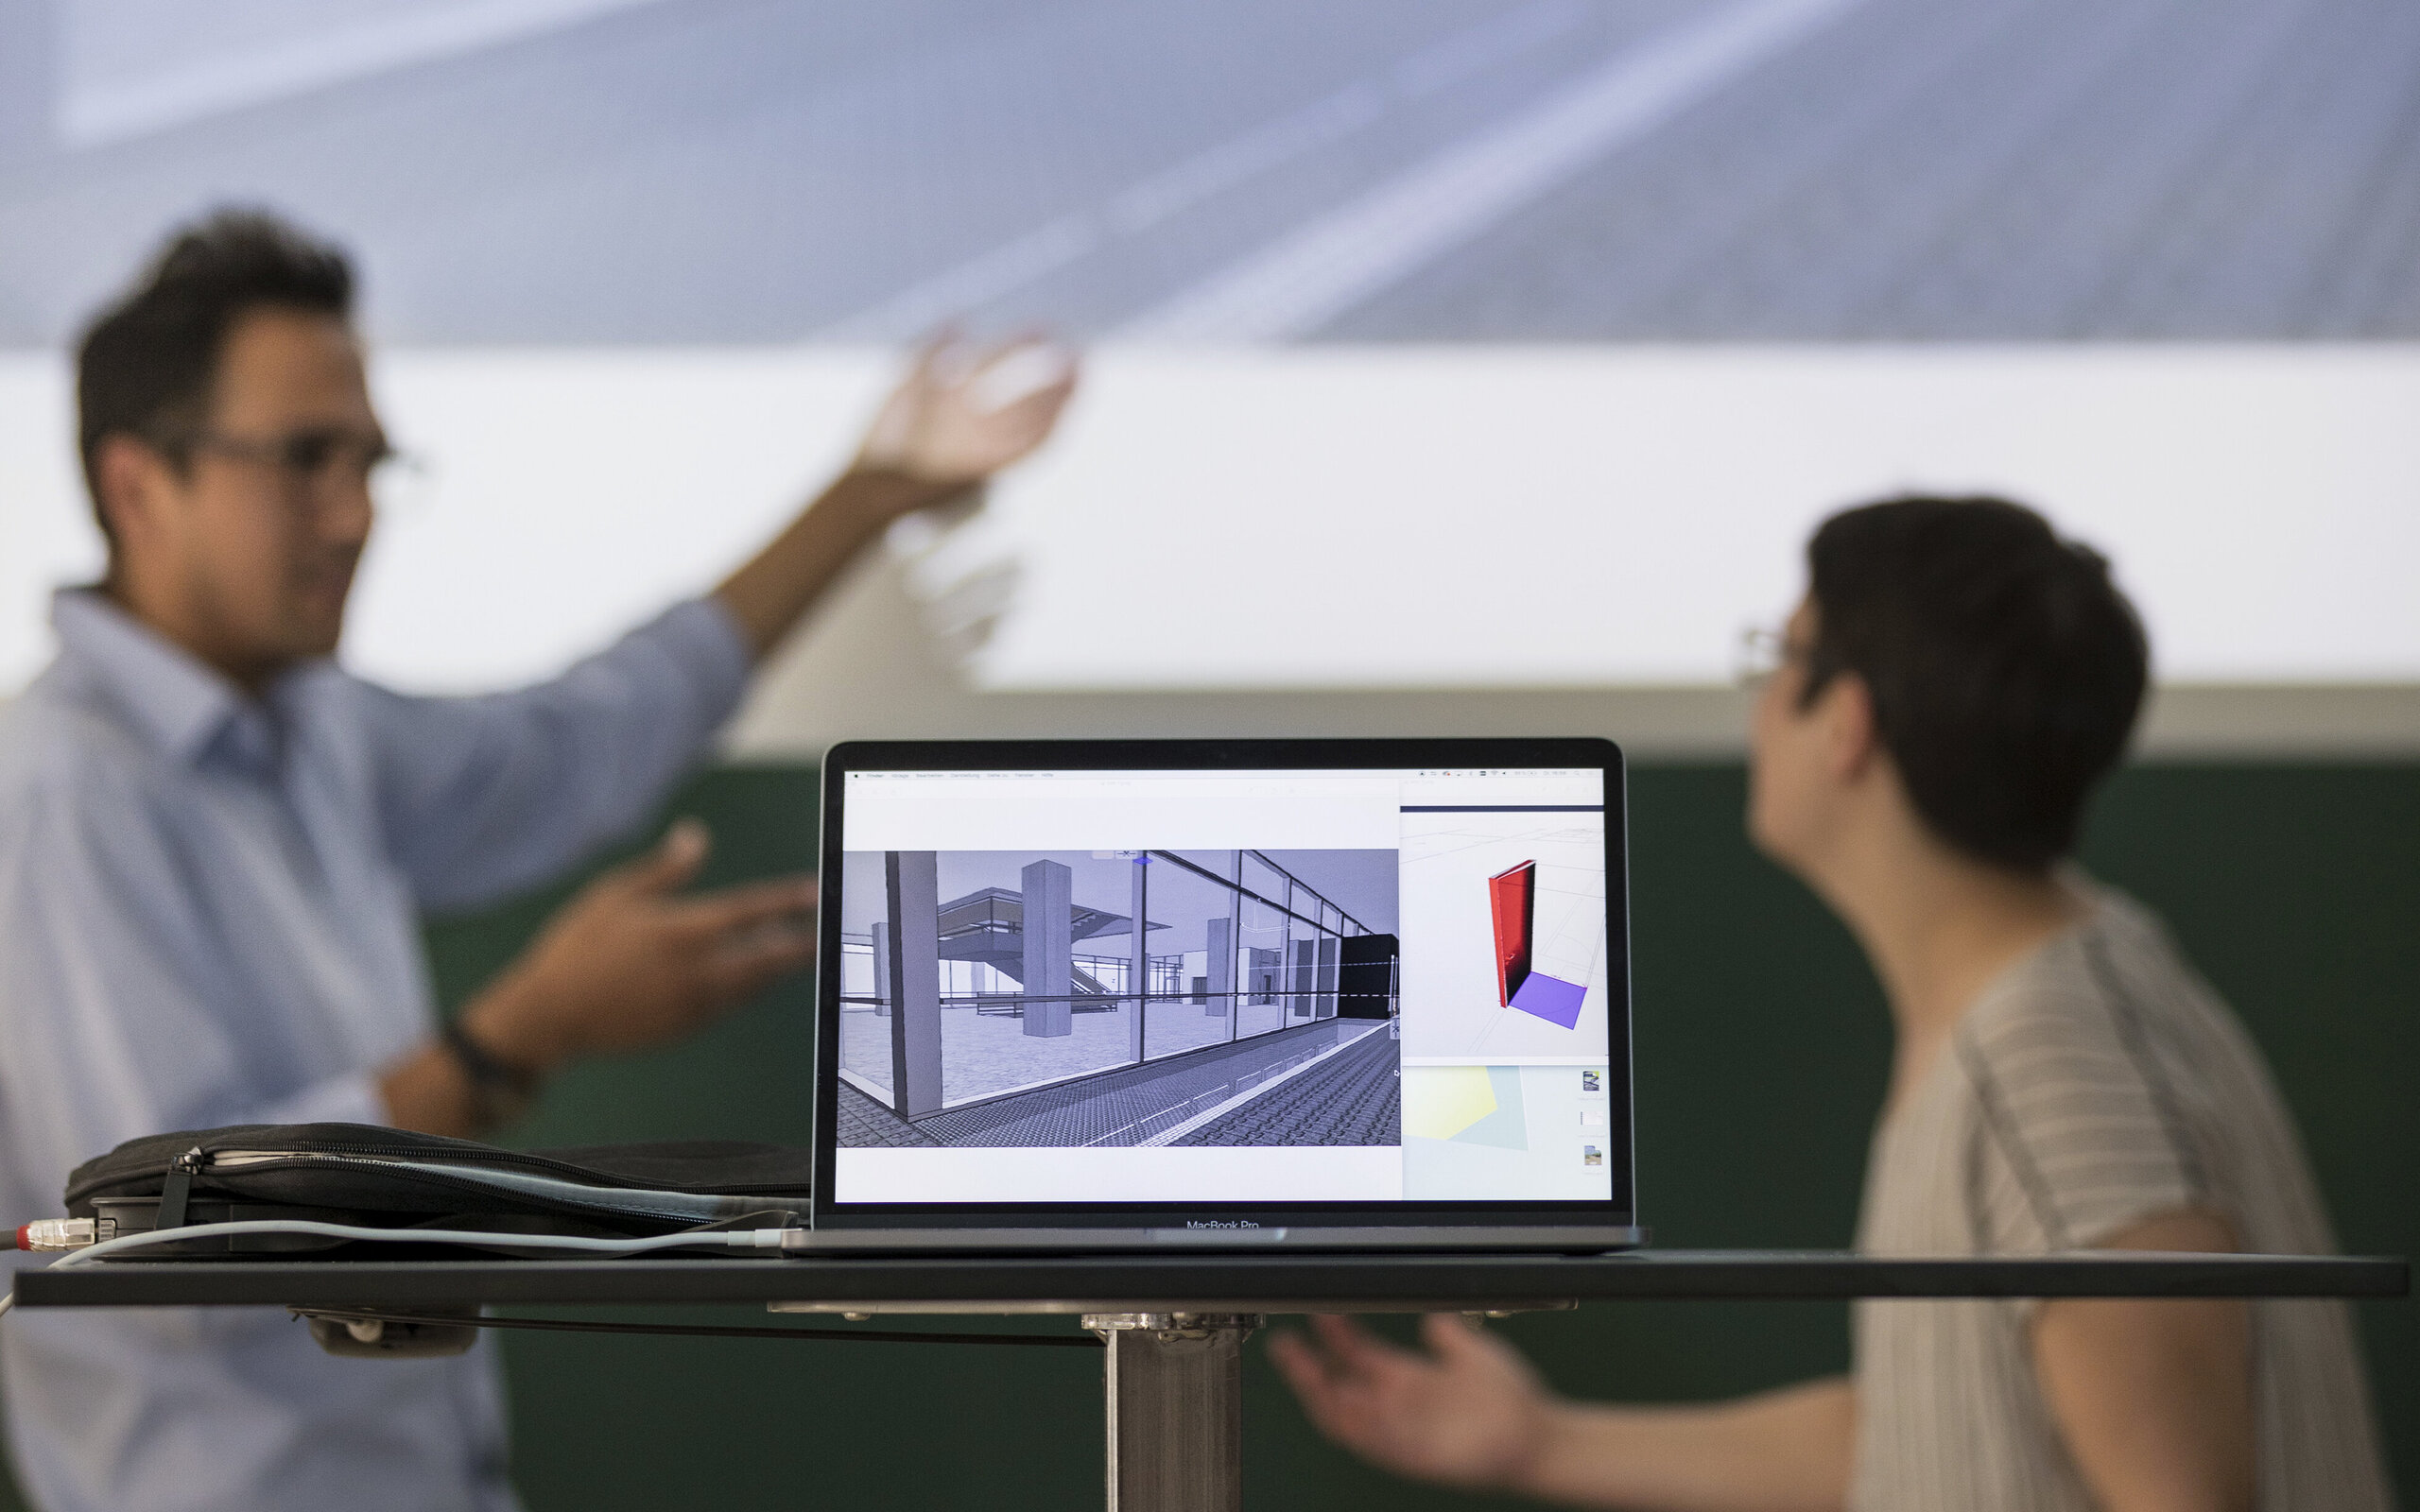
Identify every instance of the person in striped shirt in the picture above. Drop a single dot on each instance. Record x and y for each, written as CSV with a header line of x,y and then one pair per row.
x,y
1955,683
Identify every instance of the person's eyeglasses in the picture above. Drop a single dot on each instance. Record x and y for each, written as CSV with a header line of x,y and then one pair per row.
x,y
314,458
1760,654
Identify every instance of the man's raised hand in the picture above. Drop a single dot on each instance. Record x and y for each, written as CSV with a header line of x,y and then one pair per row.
x,y
964,412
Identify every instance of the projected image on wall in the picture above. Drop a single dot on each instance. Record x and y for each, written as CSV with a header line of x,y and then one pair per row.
x,y
1471,170
1144,998
1656,282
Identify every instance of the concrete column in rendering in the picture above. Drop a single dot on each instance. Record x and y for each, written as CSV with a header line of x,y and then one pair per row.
x,y
882,969
1221,954
1234,944
1302,978
1138,958
911,883
1049,976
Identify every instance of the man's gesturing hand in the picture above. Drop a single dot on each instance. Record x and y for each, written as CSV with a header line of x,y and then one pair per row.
x,y
1471,1413
961,414
630,962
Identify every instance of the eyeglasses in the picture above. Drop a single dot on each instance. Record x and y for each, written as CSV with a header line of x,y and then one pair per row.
x,y
1760,654
315,459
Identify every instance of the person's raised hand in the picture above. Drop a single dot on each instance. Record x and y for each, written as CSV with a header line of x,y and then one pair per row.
x,y
1469,1413
964,412
633,962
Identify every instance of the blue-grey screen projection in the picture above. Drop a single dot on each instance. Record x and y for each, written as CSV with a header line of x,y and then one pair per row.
x,y
1652,282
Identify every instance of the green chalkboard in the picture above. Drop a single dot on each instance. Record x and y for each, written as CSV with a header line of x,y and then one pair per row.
x,y
1761,1041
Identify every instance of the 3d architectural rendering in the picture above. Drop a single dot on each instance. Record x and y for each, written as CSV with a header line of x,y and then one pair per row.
x,y
1027,1009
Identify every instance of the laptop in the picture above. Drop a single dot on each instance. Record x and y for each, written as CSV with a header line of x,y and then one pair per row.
x,y
1148,995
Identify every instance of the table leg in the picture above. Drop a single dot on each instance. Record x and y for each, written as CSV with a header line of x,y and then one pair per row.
x,y
1176,1410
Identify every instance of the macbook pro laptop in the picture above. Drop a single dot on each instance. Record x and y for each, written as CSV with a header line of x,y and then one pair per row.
x,y
1331,994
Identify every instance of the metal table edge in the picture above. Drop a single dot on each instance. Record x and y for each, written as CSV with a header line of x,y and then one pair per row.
x,y
1200,1282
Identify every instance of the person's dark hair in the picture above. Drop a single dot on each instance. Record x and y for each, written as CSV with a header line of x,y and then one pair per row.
x,y
2005,668
146,365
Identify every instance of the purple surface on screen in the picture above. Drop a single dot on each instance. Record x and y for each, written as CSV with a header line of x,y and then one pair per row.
x,y
1550,998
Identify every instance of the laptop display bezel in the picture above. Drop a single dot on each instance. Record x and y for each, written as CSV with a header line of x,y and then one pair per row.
x,y
1618,1210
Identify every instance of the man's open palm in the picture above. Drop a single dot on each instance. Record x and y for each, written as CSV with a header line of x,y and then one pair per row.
x,y
963,413
1469,1413
635,961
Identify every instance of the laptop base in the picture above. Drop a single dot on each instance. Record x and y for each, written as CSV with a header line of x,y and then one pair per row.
x,y
1540,1240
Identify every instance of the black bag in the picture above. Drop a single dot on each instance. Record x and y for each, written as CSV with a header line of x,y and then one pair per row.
x,y
383,1178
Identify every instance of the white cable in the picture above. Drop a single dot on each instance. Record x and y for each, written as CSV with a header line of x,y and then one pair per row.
x,y
727,1239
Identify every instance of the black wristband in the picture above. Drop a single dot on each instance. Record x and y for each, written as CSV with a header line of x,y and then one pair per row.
x,y
501,1090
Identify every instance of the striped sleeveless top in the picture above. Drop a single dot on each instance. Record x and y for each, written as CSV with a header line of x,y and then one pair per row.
x,y
2097,1083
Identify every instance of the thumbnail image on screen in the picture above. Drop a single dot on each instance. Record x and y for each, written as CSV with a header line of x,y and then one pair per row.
x,y
1004,998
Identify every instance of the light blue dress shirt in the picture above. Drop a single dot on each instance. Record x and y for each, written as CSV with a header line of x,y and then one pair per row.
x,y
209,915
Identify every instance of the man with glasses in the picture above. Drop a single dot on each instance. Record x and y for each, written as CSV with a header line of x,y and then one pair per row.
x,y
214,846
1929,727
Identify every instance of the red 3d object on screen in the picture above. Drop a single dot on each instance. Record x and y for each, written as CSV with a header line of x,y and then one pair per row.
x,y
1514,895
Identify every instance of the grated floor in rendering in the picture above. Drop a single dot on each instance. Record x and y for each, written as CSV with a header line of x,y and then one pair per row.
x,y
1354,1097
1159,1103
867,1125
987,1053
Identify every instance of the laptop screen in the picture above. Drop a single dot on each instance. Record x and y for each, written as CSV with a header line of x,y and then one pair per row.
x,y
1256,986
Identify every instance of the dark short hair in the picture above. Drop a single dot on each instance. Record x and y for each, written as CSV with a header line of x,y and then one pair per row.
x,y
2005,668
147,364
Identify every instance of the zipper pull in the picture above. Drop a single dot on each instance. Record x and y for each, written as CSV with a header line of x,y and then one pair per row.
x,y
176,1188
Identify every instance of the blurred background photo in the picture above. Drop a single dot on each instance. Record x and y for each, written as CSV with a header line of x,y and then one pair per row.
x,y
1472,367
1616,298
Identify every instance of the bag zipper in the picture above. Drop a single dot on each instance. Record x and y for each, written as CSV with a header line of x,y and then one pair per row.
x,y
470,1156
176,1188
475,1154
184,1167
417,1169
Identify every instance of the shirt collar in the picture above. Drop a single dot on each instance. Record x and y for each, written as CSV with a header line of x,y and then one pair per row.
x,y
183,705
